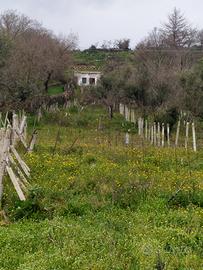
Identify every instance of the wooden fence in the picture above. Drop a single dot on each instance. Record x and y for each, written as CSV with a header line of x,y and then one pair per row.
x,y
158,134
12,132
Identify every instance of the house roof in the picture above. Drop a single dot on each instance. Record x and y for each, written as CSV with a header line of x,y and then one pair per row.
x,y
86,72
86,68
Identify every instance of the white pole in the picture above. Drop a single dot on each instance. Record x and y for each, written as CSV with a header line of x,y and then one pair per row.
x,y
194,137
139,126
154,133
177,133
162,134
146,129
142,127
134,117
126,113
168,134
186,135
127,138
158,135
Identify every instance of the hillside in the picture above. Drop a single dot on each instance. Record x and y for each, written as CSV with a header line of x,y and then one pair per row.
x,y
95,203
99,58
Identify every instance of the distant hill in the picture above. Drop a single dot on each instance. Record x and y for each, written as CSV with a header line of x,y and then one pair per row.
x,y
99,57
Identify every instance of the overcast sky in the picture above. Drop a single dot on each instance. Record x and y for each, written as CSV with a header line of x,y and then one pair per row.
x,y
97,20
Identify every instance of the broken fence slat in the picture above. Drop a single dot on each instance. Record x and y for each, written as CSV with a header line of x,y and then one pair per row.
x,y
20,173
23,165
21,138
33,141
15,183
22,124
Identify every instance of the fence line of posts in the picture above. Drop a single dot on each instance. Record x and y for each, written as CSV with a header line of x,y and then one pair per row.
x,y
158,134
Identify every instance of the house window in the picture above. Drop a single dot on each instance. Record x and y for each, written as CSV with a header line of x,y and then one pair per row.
x,y
92,81
84,80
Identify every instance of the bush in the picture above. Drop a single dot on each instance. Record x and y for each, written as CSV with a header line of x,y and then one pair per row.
x,y
31,208
185,198
170,116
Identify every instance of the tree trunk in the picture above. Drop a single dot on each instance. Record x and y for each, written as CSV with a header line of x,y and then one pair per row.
x,y
46,83
110,111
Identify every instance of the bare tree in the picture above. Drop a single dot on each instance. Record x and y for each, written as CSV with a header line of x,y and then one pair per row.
x,y
36,56
153,41
13,24
177,31
122,44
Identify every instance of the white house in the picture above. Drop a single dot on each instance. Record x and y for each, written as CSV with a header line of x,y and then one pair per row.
x,y
86,78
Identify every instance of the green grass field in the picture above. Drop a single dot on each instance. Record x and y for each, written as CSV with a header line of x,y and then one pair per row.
x,y
95,203
100,58
54,90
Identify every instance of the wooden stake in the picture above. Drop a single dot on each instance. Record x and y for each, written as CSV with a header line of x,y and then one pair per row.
x,y
154,133
158,135
177,133
33,141
15,125
186,134
146,129
168,135
127,138
3,157
162,134
15,182
194,137
20,173
23,165
142,127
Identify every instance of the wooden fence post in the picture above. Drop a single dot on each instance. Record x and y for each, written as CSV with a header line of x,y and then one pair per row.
x,y
194,137
155,134
138,123
177,133
158,135
15,127
146,129
33,141
162,134
186,134
152,134
168,134
127,138
3,157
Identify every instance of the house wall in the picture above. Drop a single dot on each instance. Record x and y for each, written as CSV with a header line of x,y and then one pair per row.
x,y
89,75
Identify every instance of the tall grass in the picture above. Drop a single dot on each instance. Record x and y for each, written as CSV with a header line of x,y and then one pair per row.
x,y
98,204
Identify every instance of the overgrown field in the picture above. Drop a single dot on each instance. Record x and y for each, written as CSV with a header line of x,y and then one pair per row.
x,y
100,58
95,203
